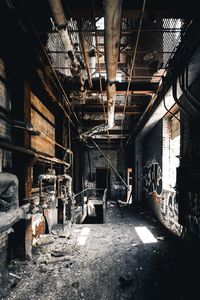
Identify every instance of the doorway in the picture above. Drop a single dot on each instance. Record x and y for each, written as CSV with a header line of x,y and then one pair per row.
x,y
102,180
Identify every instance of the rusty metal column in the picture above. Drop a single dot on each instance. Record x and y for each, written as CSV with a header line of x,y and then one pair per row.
x,y
112,42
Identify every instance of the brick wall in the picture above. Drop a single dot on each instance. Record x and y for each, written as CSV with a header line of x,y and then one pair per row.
x,y
152,164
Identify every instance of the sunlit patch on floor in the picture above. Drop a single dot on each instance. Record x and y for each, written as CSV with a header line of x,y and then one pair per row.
x,y
83,236
145,235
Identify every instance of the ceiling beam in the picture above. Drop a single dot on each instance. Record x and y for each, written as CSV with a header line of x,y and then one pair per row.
x,y
122,86
152,12
100,108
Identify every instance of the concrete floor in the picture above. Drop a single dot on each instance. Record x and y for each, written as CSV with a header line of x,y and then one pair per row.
x,y
106,262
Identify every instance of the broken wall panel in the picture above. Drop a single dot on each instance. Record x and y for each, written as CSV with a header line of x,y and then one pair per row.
x,y
43,121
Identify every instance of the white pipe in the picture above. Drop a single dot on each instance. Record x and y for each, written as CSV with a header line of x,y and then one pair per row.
x,y
112,42
61,23
59,16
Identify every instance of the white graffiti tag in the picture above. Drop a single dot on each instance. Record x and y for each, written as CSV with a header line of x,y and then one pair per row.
x,y
152,177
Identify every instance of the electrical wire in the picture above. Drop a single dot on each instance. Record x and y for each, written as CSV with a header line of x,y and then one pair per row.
x,y
174,92
168,110
132,64
185,93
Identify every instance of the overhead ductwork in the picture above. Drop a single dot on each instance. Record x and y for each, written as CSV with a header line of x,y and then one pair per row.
x,y
112,40
61,25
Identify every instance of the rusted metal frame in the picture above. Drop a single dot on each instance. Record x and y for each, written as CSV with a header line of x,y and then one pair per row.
x,y
123,65
134,86
129,31
134,12
98,108
133,61
41,157
35,155
12,147
98,113
145,52
110,164
149,76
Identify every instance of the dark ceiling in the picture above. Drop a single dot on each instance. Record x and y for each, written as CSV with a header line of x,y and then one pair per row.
x,y
162,26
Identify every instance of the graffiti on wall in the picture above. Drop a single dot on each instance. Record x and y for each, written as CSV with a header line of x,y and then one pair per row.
x,y
165,204
194,212
152,177
169,211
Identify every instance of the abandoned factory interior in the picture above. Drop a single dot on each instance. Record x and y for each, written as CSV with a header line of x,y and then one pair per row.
x,y
99,150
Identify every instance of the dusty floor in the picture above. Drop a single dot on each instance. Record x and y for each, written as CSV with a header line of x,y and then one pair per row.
x,y
105,262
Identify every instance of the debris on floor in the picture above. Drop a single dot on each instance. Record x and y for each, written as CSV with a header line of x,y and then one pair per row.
x,y
112,264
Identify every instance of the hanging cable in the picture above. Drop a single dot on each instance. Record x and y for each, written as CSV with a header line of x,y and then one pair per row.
x,y
185,93
174,115
132,64
108,161
174,92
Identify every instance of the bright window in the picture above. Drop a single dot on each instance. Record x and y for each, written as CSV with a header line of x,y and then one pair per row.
x,y
171,150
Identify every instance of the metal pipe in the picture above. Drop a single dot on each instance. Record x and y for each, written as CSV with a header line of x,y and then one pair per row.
x,y
85,56
112,41
61,24
47,177
82,192
111,165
